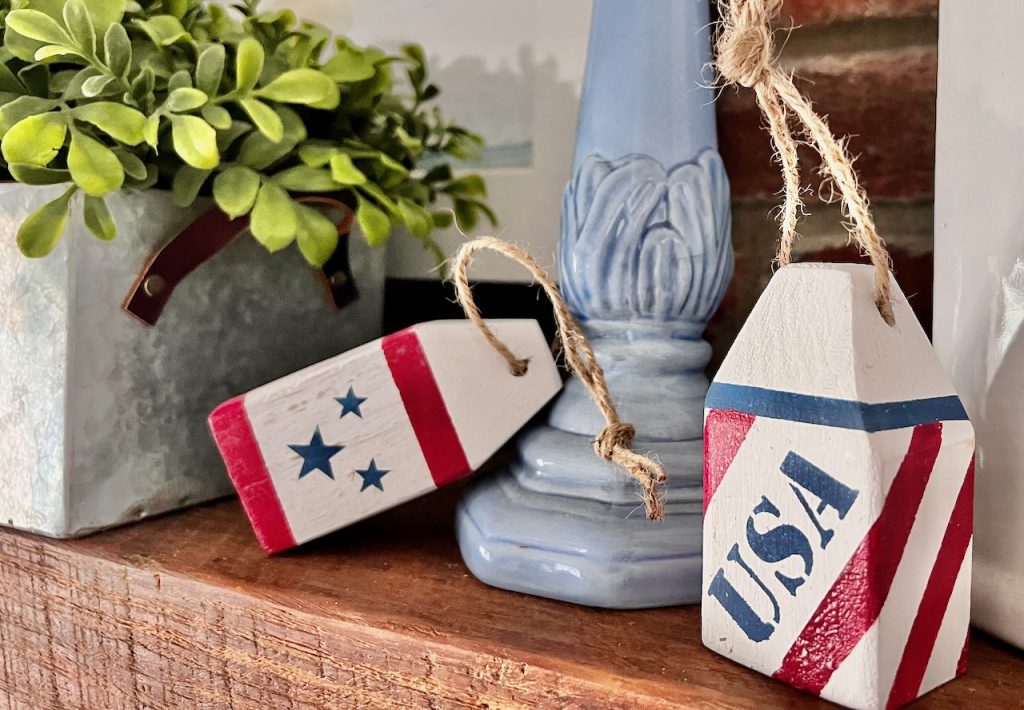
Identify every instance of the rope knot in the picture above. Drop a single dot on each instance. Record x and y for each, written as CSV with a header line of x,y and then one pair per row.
x,y
746,42
618,435
614,442
745,52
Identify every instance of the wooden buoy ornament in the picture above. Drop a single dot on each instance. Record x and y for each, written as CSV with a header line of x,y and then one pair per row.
x,y
838,496
396,418
838,464
377,426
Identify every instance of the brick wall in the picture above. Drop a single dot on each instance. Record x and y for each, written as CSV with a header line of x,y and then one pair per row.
x,y
870,66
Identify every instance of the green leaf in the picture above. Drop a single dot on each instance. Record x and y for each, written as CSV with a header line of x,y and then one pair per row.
x,y
414,145
187,183
38,26
50,51
344,171
303,178
210,69
35,140
118,121
439,173
416,218
374,191
98,219
235,190
442,220
294,126
93,166
248,64
143,84
105,13
469,186
73,89
20,47
468,211
227,138
78,22
302,86
177,8
415,53
132,164
34,175
373,221
23,107
259,152
182,100
217,116
349,65
164,30
149,181
180,79
117,49
274,222
265,118
151,131
316,155
466,215
9,82
36,78
317,235
41,232
96,85
391,164
195,142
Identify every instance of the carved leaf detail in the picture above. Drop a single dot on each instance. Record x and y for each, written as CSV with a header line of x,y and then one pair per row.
x,y
640,242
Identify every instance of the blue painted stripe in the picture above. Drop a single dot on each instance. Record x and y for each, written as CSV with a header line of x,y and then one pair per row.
x,y
838,413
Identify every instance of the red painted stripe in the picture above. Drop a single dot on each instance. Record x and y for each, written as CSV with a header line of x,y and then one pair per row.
x,y
921,641
725,431
853,603
961,666
426,408
241,453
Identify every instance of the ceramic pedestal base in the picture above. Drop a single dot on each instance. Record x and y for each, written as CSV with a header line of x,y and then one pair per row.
x,y
562,523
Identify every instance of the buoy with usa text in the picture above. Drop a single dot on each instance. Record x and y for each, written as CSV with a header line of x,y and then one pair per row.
x,y
838,461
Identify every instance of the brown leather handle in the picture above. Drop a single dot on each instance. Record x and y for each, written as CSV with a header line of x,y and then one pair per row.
x,y
209,235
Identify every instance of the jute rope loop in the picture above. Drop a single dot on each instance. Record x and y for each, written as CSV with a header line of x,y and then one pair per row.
x,y
747,57
616,439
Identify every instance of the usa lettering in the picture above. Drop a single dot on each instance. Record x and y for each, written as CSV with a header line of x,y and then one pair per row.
x,y
787,547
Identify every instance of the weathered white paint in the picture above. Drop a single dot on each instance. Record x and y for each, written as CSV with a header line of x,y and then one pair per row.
x,y
478,406
864,560
979,280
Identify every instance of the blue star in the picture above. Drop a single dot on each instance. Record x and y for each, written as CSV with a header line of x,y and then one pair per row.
x,y
371,476
315,455
350,403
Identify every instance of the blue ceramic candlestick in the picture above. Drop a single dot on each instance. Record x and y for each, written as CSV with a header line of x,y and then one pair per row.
x,y
645,258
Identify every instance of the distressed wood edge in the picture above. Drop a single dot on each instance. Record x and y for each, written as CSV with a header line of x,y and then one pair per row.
x,y
80,629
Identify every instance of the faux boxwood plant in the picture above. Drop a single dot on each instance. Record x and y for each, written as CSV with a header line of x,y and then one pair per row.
x,y
246,106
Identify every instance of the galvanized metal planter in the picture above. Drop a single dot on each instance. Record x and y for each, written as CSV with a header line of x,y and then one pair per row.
x,y
102,418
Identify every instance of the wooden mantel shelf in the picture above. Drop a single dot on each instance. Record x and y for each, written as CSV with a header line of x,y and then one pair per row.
x,y
185,611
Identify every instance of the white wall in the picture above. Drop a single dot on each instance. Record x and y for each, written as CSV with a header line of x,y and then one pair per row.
x,y
979,280
510,70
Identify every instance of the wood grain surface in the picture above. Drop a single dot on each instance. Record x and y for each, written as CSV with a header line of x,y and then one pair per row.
x,y
186,611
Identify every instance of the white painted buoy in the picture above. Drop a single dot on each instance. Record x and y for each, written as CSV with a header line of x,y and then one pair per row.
x,y
379,425
838,489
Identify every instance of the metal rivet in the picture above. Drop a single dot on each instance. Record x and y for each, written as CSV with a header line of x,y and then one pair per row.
x,y
154,285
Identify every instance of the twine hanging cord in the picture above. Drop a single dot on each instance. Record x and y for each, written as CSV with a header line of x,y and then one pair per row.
x,y
616,439
747,57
